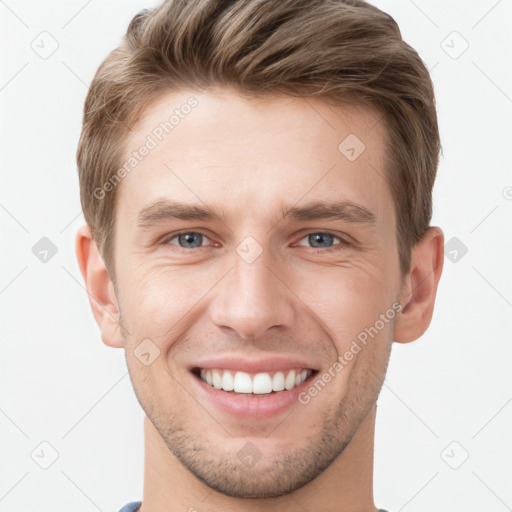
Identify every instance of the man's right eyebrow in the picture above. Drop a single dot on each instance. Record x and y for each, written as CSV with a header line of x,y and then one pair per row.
x,y
163,210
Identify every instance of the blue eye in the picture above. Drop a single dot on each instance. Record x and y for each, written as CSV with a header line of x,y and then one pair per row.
x,y
322,240
188,240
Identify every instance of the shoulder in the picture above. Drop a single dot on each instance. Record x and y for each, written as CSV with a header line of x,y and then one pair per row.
x,y
134,505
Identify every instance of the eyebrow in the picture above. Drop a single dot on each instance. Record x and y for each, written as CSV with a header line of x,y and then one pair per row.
x,y
163,210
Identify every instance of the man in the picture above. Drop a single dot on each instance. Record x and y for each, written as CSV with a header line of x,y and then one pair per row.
x,y
256,177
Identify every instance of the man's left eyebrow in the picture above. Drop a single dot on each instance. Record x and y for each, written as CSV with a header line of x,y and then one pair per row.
x,y
164,210
346,211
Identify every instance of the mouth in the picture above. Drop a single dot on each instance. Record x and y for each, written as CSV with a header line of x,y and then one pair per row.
x,y
254,385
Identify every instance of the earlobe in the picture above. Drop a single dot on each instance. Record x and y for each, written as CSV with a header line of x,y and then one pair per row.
x,y
418,293
100,289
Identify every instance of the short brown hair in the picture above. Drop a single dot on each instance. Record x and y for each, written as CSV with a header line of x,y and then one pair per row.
x,y
335,49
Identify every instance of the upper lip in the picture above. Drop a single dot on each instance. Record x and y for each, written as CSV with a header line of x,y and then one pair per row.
x,y
245,364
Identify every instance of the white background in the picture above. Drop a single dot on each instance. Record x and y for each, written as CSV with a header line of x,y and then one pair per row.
x,y
61,385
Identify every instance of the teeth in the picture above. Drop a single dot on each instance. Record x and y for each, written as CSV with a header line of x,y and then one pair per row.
x,y
227,382
289,382
278,382
243,383
217,379
258,384
262,383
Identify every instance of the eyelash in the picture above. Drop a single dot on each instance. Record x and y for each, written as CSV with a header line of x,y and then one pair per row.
x,y
342,241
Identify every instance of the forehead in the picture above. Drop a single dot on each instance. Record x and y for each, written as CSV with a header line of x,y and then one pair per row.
x,y
255,156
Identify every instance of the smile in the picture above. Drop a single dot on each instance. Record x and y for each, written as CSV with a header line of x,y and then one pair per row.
x,y
262,383
248,388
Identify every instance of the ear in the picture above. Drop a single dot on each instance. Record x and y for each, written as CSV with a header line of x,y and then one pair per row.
x,y
418,292
100,288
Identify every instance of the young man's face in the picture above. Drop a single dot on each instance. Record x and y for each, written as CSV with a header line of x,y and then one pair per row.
x,y
249,290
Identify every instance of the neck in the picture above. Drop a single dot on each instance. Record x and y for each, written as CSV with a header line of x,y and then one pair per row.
x,y
347,484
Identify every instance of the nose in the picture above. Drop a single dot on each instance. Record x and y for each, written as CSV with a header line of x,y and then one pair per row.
x,y
253,298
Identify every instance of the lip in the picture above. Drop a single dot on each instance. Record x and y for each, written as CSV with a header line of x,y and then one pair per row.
x,y
250,407
244,364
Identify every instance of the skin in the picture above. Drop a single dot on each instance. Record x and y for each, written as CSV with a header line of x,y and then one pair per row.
x,y
246,159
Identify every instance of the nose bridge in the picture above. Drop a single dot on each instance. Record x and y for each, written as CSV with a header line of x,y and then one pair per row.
x,y
252,299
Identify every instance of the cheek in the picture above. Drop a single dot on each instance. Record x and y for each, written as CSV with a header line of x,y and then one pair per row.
x,y
160,301
346,299
350,302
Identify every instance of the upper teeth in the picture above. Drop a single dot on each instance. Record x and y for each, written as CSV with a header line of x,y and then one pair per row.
x,y
259,383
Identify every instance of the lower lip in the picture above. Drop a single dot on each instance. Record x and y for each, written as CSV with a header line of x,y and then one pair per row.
x,y
252,406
